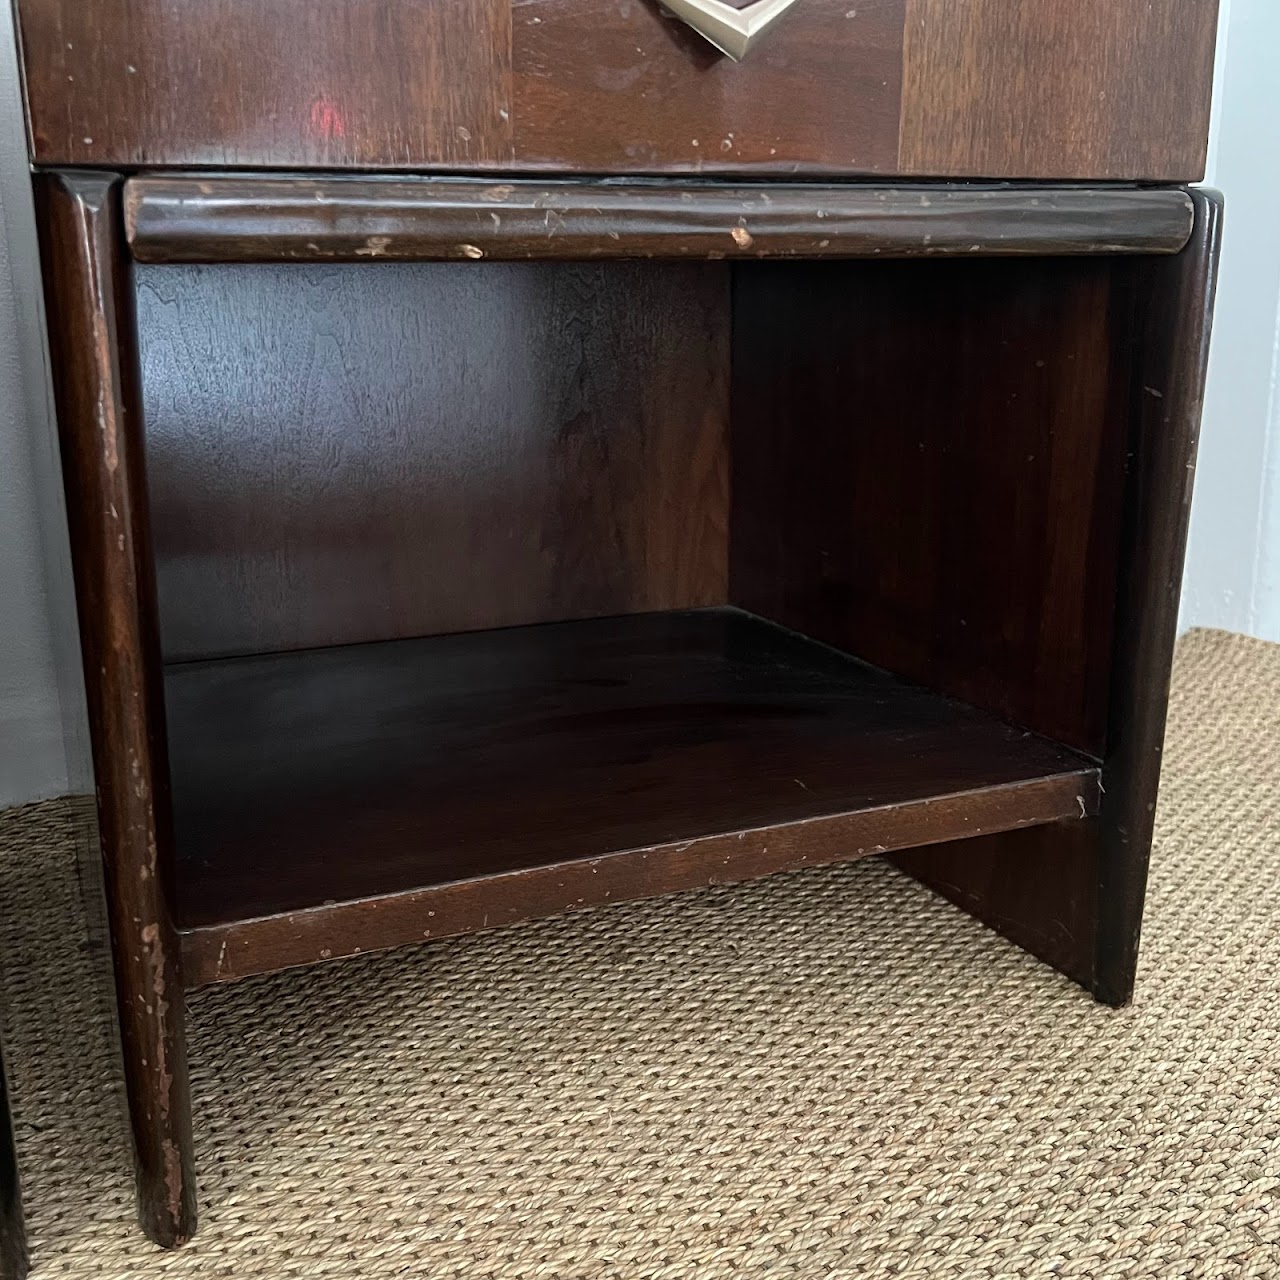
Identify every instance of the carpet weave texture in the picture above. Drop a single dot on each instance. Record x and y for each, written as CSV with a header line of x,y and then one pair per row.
x,y
825,1074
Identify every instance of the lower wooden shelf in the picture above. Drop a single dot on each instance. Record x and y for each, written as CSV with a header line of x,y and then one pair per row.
x,y
340,800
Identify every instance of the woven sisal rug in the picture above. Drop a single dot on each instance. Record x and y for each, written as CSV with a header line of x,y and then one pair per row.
x,y
825,1074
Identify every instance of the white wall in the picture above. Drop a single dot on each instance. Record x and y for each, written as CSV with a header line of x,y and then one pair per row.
x,y
32,762
1233,560
43,748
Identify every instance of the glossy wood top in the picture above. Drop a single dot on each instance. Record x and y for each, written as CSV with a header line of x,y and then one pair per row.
x,y
336,773
1052,89
711,743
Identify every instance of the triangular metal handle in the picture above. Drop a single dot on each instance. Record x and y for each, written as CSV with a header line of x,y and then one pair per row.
x,y
732,31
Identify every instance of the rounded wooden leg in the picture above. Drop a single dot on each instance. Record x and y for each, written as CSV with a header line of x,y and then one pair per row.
x,y
92,344
153,1043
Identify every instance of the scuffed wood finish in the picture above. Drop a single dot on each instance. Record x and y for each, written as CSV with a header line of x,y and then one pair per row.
x,y
1057,88
208,218
989,495
287,83
349,453
625,88
365,796
1173,317
96,383
457,84
235,949
928,461
1074,895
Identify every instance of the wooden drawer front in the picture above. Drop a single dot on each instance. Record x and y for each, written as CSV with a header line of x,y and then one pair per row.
x,y
632,90
1087,89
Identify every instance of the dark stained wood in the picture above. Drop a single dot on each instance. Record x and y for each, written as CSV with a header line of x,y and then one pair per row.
x,y
414,86
207,218
1074,894
1057,88
928,469
532,770
13,1233
1038,888
352,453
96,382
225,952
625,88
364,83
1173,309
972,472
1060,89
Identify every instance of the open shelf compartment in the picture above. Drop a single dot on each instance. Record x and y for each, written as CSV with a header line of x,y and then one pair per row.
x,y
488,590
342,799
424,595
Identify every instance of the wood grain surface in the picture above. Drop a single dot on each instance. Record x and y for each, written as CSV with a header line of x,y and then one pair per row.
x,y
228,217
1038,888
928,467
624,88
1062,89
95,376
1172,311
654,752
1073,894
1058,88
364,83
353,453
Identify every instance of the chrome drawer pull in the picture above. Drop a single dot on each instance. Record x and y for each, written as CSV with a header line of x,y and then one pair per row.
x,y
732,31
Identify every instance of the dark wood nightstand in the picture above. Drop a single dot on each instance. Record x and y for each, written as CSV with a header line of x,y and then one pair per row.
x,y
520,458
